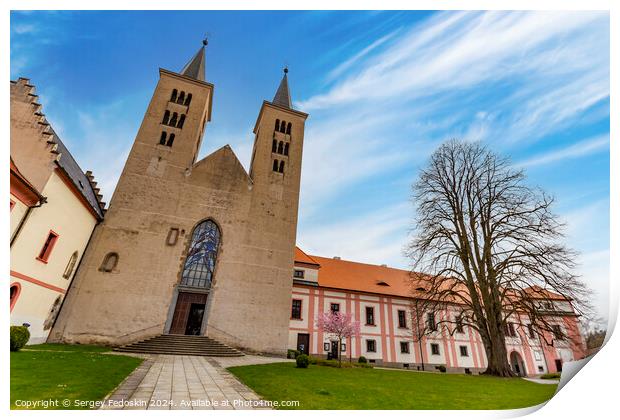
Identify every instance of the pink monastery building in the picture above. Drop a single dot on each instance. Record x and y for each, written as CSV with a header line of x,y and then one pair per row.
x,y
379,297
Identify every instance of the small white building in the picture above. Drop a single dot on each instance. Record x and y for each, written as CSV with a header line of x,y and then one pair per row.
x,y
54,208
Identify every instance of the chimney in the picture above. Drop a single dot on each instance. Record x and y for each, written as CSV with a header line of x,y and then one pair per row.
x,y
383,265
336,258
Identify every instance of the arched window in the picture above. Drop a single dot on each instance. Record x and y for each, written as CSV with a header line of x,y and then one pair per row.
x,y
51,317
277,125
173,120
188,99
286,149
201,256
288,128
70,265
275,165
282,126
281,170
170,140
181,121
110,261
16,289
181,98
281,148
274,146
162,139
173,97
166,117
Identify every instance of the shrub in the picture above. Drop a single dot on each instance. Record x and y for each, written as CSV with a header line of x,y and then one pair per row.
x,y
363,365
362,359
442,368
551,376
302,361
292,354
19,337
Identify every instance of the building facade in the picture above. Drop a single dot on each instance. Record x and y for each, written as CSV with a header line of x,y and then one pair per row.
x,y
194,247
54,209
379,297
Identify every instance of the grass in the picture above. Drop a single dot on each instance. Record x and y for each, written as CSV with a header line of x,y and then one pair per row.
x,y
320,388
57,372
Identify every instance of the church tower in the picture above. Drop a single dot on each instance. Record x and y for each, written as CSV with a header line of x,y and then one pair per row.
x,y
194,247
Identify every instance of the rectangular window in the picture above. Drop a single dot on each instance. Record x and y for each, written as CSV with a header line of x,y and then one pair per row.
x,y
296,309
299,274
48,246
510,330
370,315
335,307
459,324
402,319
530,331
371,346
435,349
404,347
463,350
557,332
430,321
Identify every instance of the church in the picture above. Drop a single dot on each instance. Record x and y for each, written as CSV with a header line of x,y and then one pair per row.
x,y
194,247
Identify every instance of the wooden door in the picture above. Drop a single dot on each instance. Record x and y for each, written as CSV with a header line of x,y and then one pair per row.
x,y
183,310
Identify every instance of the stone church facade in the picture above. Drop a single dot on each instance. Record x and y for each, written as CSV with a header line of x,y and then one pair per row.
x,y
194,247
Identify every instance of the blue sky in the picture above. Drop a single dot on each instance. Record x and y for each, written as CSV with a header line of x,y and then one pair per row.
x,y
383,89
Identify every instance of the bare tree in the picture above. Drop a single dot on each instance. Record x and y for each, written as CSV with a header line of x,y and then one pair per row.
x,y
491,247
418,325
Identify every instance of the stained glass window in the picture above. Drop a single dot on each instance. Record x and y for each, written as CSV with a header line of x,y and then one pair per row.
x,y
200,262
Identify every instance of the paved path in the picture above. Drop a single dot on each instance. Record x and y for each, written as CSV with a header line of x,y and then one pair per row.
x,y
543,381
166,382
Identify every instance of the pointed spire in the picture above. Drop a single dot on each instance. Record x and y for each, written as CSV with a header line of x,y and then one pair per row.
x,y
195,68
283,96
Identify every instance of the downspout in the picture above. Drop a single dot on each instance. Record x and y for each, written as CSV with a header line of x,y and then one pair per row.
x,y
22,222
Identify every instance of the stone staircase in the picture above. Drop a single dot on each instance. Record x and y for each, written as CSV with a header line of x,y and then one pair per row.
x,y
193,345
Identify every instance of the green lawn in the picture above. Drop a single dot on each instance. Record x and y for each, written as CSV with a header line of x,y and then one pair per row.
x,y
320,387
58,372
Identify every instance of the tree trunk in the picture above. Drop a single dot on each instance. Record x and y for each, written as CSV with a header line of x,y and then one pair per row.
x,y
421,353
340,352
495,348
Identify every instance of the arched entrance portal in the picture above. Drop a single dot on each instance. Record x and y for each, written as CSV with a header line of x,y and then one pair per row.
x,y
517,365
190,303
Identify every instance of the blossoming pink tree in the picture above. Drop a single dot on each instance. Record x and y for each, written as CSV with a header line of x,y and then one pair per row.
x,y
339,326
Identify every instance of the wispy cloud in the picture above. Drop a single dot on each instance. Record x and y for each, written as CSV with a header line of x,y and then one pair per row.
x,y
583,148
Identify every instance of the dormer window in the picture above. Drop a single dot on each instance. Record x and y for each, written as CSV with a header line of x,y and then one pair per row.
x,y
299,274
382,283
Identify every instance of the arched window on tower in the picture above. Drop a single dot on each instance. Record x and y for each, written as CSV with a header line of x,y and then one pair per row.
x,y
282,126
286,149
166,117
288,128
181,121
188,99
275,165
173,120
281,148
181,99
109,263
201,256
281,169
173,97
277,125
274,146
70,265
162,139
170,140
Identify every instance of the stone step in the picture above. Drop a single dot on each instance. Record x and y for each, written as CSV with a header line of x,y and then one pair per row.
x,y
181,344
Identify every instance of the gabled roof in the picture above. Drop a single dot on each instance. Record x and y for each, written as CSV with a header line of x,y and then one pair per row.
x,y
283,95
195,68
79,179
302,257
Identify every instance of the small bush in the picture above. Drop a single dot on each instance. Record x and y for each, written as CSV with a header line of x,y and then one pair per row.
x,y
302,361
292,354
362,359
551,375
442,368
362,365
19,337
